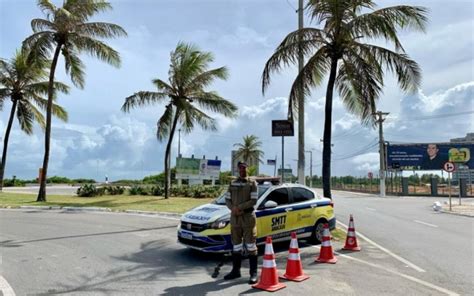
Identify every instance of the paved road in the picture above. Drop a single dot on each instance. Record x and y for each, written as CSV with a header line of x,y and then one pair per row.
x,y
58,252
52,190
441,244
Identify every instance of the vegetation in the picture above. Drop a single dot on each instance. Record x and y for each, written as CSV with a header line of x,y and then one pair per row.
x,y
23,80
250,149
115,203
356,68
189,76
67,30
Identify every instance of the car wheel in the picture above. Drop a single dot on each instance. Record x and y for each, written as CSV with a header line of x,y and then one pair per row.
x,y
318,230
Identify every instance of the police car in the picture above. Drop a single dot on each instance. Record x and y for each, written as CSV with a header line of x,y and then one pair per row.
x,y
280,210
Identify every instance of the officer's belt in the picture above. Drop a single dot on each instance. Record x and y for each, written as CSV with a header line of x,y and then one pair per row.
x,y
248,210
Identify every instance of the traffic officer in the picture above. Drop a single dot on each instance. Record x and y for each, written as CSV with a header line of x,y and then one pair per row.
x,y
241,199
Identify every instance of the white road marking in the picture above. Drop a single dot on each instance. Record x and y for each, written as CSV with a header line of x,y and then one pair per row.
x,y
424,223
401,259
372,209
408,277
5,288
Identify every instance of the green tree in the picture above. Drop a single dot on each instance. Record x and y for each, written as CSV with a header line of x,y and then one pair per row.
x,y
355,66
24,81
67,30
189,75
249,150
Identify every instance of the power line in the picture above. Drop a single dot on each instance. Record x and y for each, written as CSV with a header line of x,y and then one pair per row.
x,y
436,116
294,8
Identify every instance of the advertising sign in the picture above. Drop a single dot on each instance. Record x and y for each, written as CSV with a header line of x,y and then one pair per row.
x,y
194,168
287,173
431,156
282,128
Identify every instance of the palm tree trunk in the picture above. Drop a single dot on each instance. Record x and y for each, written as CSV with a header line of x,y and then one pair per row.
x,y
5,142
47,134
327,131
167,155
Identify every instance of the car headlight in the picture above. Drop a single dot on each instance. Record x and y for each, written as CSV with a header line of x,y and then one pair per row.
x,y
219,224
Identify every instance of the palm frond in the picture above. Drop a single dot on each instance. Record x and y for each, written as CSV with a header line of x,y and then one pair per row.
x,y
142,98
26,116
39,25
101,30
212,101
408,72
205,79
96,48
310,76
164,123
287,53
193,115
74,66
46,6
163,86
40,45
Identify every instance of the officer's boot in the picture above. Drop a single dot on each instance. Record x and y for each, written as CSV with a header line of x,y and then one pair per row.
x,y
236,263
253,262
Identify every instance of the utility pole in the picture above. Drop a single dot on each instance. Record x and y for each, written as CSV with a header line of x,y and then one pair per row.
x,y
179,143
310,168
301,154
379,117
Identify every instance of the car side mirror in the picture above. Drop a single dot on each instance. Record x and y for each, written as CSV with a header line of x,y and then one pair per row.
x,y
270,204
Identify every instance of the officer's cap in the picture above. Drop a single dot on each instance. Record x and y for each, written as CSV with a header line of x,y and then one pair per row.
x,y
241,163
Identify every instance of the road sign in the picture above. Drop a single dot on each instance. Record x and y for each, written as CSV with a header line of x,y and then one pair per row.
x,y
282,128
370,175
449,167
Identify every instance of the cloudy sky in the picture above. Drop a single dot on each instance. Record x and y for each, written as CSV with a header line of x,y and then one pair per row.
x,y
99,139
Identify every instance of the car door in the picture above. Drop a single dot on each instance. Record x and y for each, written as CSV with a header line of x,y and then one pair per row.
x,y
301,216
274,220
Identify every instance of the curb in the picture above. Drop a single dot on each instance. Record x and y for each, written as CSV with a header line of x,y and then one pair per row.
x,y
97,209
457,214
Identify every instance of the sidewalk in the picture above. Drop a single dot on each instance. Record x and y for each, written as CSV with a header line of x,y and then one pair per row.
x,y
466,208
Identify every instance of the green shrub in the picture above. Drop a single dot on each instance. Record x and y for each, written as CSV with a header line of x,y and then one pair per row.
x,y
90,190
59,180
13,183
157,191
83,181
114,190
138,190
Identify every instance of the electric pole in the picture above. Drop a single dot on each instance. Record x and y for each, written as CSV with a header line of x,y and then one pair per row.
x,y
310,168
179,143
301,154
379,117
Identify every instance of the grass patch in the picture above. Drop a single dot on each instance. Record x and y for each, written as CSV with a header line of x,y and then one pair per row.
x,y
114,202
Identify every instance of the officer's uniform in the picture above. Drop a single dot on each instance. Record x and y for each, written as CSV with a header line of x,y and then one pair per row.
x,y
243,194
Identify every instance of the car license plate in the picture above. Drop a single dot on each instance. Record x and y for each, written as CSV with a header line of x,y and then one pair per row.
x,y
186,235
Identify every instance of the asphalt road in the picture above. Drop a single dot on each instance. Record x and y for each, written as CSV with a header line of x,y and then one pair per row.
x,y
59,252
440,244
52,190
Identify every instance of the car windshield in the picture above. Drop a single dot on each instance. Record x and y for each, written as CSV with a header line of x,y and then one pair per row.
x,y
261,190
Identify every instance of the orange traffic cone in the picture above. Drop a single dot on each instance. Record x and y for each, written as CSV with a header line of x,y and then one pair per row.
x,y
294,269
326,255
269,276
351,240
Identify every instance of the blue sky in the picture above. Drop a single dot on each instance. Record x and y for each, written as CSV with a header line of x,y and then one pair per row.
x,y
99,139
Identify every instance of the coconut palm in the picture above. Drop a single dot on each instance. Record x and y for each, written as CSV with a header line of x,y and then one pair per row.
x,y
25,82
355,66
66,30
249,150
189,75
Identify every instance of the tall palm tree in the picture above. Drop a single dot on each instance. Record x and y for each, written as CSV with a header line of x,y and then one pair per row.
x,y
67,30
24,81
356,67
189,75
249,150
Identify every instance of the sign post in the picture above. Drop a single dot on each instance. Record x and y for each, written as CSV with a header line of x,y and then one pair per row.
x,y
450,167
282,128
370,175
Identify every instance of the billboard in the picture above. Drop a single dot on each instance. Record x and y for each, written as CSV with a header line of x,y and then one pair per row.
x,y
201,169
431,156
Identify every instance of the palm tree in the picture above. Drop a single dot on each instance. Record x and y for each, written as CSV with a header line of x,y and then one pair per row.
x,y
356,67
249,150
67,30
24,81
189,75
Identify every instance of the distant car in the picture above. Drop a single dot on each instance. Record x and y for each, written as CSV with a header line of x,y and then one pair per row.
x,y
280,210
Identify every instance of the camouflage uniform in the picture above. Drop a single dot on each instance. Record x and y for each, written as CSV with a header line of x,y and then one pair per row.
x,y
243,194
